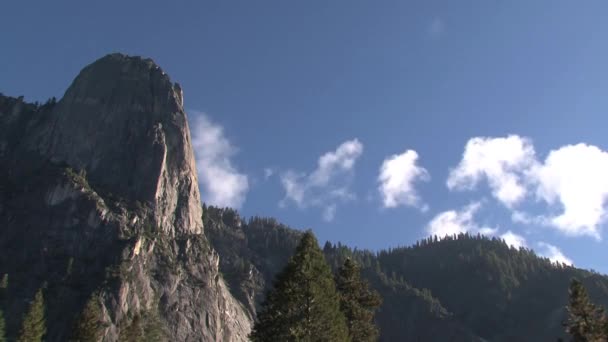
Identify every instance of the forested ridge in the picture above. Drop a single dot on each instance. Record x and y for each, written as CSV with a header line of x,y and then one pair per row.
x,y
458,288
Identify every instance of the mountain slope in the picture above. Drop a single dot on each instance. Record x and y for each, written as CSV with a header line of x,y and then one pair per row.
x,y
500,293
99,198
462,288
253,252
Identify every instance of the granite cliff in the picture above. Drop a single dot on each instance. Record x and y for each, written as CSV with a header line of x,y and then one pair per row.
x,y
99,201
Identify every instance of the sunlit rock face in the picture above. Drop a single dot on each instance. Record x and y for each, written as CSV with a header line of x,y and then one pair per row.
x,y
99,199
123,122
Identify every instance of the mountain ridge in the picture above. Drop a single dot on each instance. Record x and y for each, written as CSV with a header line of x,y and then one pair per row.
x,y
463,288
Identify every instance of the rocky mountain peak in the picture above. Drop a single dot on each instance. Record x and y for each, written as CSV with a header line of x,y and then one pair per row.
x,y
99,202
122,121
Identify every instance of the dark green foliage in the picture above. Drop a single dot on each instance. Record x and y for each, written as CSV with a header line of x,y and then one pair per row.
x,y
134,332
89,326
304,305
154,328
358,302
497,292
586,321
144,327
461,288
248,247
80,178
33,327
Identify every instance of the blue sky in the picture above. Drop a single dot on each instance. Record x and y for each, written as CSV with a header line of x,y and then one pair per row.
x,y
373,123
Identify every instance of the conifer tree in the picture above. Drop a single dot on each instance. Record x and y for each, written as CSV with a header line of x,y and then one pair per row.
x,y
304,304
33,327
89,326
358,302
586,321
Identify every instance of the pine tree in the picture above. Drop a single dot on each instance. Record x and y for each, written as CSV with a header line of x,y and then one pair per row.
x,y
304,304
586,322
358,302
33,327
2,328
89,326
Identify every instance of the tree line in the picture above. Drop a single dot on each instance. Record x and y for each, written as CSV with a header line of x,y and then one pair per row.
x,y
309,303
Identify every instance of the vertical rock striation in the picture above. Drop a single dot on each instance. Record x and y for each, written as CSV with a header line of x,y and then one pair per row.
x,y
99,199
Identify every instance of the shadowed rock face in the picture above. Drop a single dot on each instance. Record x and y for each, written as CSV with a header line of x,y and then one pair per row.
x,y
99,199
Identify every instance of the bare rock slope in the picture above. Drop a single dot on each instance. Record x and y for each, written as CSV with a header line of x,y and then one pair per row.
x,y
99,202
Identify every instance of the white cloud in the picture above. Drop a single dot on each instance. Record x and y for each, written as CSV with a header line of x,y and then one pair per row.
x,y
453,222
554,254
503,162
326,186
488,231
268,172
332,163
576,178
294,185
398,174
514,240
572,179
222,185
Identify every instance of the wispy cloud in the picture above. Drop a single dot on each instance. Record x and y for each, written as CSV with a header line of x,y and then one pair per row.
x,y
398,175
327,185
268,172
454,222
514,240
329,212
553,253
222,185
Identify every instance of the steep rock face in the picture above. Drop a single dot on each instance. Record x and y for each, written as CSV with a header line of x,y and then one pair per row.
x,y
122,121
99,200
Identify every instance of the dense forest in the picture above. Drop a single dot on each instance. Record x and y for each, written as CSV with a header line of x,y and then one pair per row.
x,y
459,288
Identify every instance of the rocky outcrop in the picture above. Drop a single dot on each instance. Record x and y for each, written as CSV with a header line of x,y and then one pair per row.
x,y
122,120
99,200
